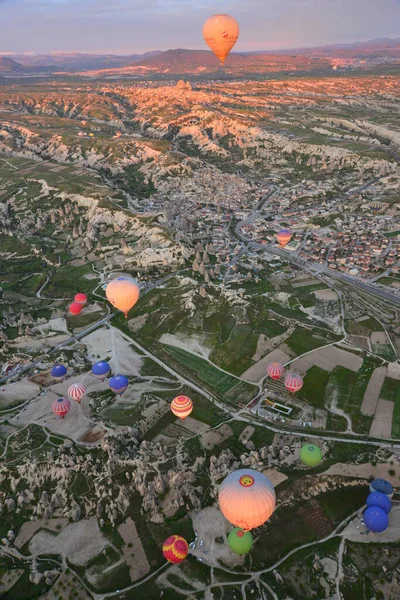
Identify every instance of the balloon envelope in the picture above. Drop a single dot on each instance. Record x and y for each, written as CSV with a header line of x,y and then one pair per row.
x,y
293,382
101,369
175,549
275,370
284,237
383,486
381,500
76,391
61,407
221,33
123,293
119,384
81,298
75,308
240,541
310,455
59,371
247,498
182,406
376,519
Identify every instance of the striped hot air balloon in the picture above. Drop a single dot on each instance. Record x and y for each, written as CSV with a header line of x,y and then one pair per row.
x,y
76,391
59,372
175,549
182,406
247,498
119,384
101,369
284,236
293,382
275,370
61,407
376,206
81,299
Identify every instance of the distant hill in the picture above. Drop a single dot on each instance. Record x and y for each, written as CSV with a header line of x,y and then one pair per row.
x,y
8,65
370,49
81,62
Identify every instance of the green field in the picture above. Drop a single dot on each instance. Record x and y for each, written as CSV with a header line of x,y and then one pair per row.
x,y
389,389
303,340
313,390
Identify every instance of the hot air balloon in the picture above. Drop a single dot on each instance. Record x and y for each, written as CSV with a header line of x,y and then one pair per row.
x,y
376,519
293,382
383,486
84,123
284,236
101,369
376,206
76,391
247,498
275,370
81,299
221,33
123,293
175,549
381,500
75,308
61,407
118,134
310,455
59,372
91,134
240,541
182,406
119,384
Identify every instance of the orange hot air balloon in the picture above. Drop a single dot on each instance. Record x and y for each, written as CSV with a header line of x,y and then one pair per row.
x,y
123,293
221,33
284,236
182,406
175,549
247,498
84,123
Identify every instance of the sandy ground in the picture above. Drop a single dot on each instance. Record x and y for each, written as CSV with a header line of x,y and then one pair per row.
x,y
327,359
192,344
379,337
366,470
256,372
137,323
359,340
372,392
210,523
135,556
263,347
29,528
327,294
392,533
107,341
79,542
393,370
75,425
62,589
48,342
150,411
211,438
275,476
20,390
59,324
246,434
193,425
382,423
9,579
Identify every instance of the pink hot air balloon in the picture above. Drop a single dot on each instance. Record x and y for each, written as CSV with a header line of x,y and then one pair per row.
x,y
284,236
293,382
61,407
76,391
275,370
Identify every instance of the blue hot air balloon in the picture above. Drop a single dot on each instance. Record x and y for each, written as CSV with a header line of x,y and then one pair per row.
x,y
118,384
381,500
376,519
59,372
382,486
101,369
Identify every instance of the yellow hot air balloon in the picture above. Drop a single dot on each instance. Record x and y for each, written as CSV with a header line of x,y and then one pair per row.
x,y
123,293
221,33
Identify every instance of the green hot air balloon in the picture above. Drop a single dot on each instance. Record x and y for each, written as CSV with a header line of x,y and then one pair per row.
x,y
240,541
310,455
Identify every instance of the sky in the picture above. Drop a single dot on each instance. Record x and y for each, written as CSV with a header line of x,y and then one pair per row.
x,y
136,26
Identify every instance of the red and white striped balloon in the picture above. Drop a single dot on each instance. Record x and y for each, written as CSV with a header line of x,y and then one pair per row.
x,y
293,382
61,407
76,391
275,370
